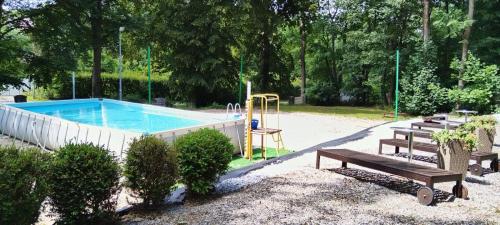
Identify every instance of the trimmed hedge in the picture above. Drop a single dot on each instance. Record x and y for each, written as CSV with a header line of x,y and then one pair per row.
x,y
151,169
83,178
203,156
133,85
23,184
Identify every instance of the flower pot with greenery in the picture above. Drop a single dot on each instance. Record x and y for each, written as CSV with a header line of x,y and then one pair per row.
x,y
484,128
454,149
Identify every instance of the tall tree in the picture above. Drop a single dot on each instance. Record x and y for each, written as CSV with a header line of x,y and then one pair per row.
x,y
13,44
261,38
193,41
301,13
465,43
485,43
425,20
84,24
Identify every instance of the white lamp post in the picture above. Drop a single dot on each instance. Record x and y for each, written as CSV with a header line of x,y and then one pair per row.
x,y
120,58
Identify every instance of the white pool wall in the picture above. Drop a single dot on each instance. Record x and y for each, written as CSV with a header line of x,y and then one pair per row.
x,y
53,132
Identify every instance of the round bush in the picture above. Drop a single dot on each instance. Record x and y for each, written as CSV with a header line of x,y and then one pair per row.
x,y
23,185
203,156
151,169
83,178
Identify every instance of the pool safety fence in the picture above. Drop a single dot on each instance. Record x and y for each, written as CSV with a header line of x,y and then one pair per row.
x,y
49,132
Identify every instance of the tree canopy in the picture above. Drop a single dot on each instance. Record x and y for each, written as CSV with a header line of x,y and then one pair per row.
x,y
329,51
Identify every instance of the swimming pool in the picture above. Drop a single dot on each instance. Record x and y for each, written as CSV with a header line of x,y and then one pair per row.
x,y
114,114
110,123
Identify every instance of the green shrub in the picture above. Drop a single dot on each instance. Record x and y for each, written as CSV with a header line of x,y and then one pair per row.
x,y
203,156
421,92
321,93
151,169
83,178
133,83
481,84
23,185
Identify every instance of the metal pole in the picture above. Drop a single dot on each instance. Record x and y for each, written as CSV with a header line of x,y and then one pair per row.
x,y
397,86
73,80
410,145
149,75
120,58
241,78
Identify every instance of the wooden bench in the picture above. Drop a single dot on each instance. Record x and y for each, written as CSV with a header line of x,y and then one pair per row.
x,y
397,143
433,125
475,169
479,157
425,134
391,114
425,174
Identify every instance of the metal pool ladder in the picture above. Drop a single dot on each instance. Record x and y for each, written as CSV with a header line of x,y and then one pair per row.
x,y
236,111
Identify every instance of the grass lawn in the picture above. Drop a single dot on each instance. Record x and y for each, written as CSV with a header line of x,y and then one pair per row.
x,y
372,113
239,162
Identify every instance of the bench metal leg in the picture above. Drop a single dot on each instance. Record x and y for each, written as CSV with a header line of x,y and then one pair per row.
x,y
396,149
494,165
344,164
317,159
380,148
460,191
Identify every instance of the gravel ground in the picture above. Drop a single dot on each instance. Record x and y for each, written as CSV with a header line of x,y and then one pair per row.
x,y
300,130
293,192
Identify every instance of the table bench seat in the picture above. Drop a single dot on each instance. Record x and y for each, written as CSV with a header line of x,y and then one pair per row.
x,y
428,175
475,169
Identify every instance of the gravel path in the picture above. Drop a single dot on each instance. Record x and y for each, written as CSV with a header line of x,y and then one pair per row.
x,y
293,192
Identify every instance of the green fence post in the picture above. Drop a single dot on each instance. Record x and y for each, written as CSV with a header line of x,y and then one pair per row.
x,y
149,75
397,87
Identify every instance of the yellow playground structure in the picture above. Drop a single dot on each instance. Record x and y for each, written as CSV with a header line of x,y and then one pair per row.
x,y
262,130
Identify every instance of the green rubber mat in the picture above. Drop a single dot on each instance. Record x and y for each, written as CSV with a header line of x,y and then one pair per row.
x,y
239,162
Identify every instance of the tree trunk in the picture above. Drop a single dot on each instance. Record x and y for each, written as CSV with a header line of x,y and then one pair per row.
x,y
365,70
447,59
303,61
334,72
425,20
1,9
465,44
96,26
265,62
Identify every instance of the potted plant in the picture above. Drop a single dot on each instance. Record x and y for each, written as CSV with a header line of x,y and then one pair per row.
x,y
484,128
454,149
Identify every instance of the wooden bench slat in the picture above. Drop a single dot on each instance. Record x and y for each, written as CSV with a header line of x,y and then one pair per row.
x,y
420,146
426,134
433,125
433,148
412,171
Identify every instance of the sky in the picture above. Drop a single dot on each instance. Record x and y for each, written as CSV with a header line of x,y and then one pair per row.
x,y
14,4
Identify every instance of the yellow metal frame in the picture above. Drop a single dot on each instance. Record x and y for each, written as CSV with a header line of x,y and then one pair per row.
x,y
264,100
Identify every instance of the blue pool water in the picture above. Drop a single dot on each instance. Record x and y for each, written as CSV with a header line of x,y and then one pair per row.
x,y
114,114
